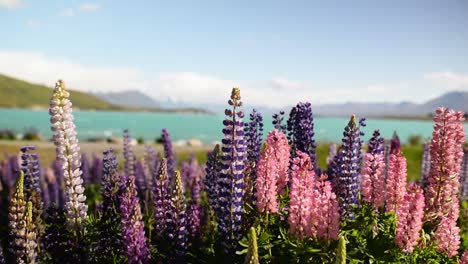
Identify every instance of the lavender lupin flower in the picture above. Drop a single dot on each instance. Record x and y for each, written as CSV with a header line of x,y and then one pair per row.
x,y
300,128
67,150
231,177
278,122
168,153
395,143
348,163
135,244
162,201
423,180
129,156
212,171
85,168
464,175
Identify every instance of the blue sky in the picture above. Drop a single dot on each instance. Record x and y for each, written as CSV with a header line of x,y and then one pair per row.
x,y
278,52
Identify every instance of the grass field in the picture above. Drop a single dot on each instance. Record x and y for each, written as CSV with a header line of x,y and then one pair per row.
x,y
46,152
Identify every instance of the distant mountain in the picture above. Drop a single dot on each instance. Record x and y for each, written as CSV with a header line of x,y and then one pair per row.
x,y
131,98
457,100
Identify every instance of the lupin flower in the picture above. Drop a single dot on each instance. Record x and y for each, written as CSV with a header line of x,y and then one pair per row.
x,y
152,161
231,177
252,253
447,235
395,144
178,222
464,257
110,180
464,175
376,144
348,166
278,122
31,245
395,188
410,218
194,221
168,153
96,170
341,251
373,179
425,165
301,196
136,248
129,156
85,168
327,218
212,170
272,172
332,150
32,189
446,157
300,126
162,201
67,150
17,220
140,176
253,138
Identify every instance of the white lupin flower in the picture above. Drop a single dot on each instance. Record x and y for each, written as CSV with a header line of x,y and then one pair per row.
x,y
67,151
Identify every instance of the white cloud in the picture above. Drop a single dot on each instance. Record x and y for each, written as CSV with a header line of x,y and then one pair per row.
x,y
448,79
11,4
285,84
90,7
69,12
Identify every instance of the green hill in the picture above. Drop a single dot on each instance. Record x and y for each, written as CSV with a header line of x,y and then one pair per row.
x,y
15,93
20,94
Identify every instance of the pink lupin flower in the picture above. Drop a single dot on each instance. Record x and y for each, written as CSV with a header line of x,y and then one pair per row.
x,y
395,188
327,218
410,215
301,196
447,235
464,258
373,179
272,172
446,157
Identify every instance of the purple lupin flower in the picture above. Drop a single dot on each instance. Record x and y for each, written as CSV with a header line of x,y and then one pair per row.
x,y
464,175
110,180
300,126
177,224
10,169
129,156
96,170
194,221
168,153
376,144
67,151
253,138
231,176
140,176
135,245
423,180
395,143
278,122
162,201
190,172
348,167
85,168
212,170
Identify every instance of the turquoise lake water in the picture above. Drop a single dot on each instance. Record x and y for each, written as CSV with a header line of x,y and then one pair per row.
x,y
206,128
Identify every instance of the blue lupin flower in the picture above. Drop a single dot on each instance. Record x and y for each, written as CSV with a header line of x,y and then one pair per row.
x,y
253,138
278,122
168,153
376,144
212,170
231,176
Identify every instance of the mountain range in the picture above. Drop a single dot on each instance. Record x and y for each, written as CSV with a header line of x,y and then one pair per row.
x,y
456,100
